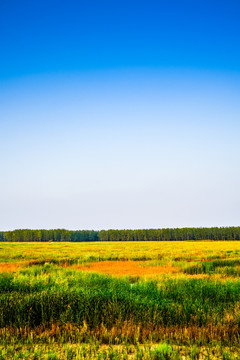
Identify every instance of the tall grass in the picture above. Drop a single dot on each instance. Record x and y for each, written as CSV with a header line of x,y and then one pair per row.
x,y
43,296
210,267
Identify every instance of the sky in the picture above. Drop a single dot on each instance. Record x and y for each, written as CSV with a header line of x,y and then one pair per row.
x,y
119,114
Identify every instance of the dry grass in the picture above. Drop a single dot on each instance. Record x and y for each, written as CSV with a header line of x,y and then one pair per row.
x,y
123,268
9,267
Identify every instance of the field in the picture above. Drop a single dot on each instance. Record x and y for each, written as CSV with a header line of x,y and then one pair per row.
x,y
120,300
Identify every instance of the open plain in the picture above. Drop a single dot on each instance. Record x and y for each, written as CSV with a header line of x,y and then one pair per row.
x,y
120,300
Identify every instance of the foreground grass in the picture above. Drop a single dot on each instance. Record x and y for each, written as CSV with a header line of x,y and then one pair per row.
x,y
162,351
58,306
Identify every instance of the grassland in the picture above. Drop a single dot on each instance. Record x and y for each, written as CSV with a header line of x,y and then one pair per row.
x,y
115,300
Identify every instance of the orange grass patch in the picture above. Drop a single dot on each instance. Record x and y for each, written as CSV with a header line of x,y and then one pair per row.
x,y
121,268
9,267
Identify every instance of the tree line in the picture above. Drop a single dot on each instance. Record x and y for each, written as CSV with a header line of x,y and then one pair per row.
x,y
175,234
27,235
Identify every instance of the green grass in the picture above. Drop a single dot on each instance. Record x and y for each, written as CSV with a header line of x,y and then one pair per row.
x,y
49,295
50,310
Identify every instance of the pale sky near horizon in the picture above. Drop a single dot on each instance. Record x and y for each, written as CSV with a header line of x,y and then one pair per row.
x,y
100,138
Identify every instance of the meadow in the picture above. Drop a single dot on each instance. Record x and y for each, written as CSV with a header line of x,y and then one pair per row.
x,y
120,300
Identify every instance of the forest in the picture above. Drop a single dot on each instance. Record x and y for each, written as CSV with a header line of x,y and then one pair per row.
x,y
168,234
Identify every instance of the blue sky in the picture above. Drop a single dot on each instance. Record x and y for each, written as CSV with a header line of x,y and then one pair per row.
x,y
119,114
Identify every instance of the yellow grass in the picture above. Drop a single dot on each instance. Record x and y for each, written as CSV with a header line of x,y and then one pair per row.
x,y
162,259
152,249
